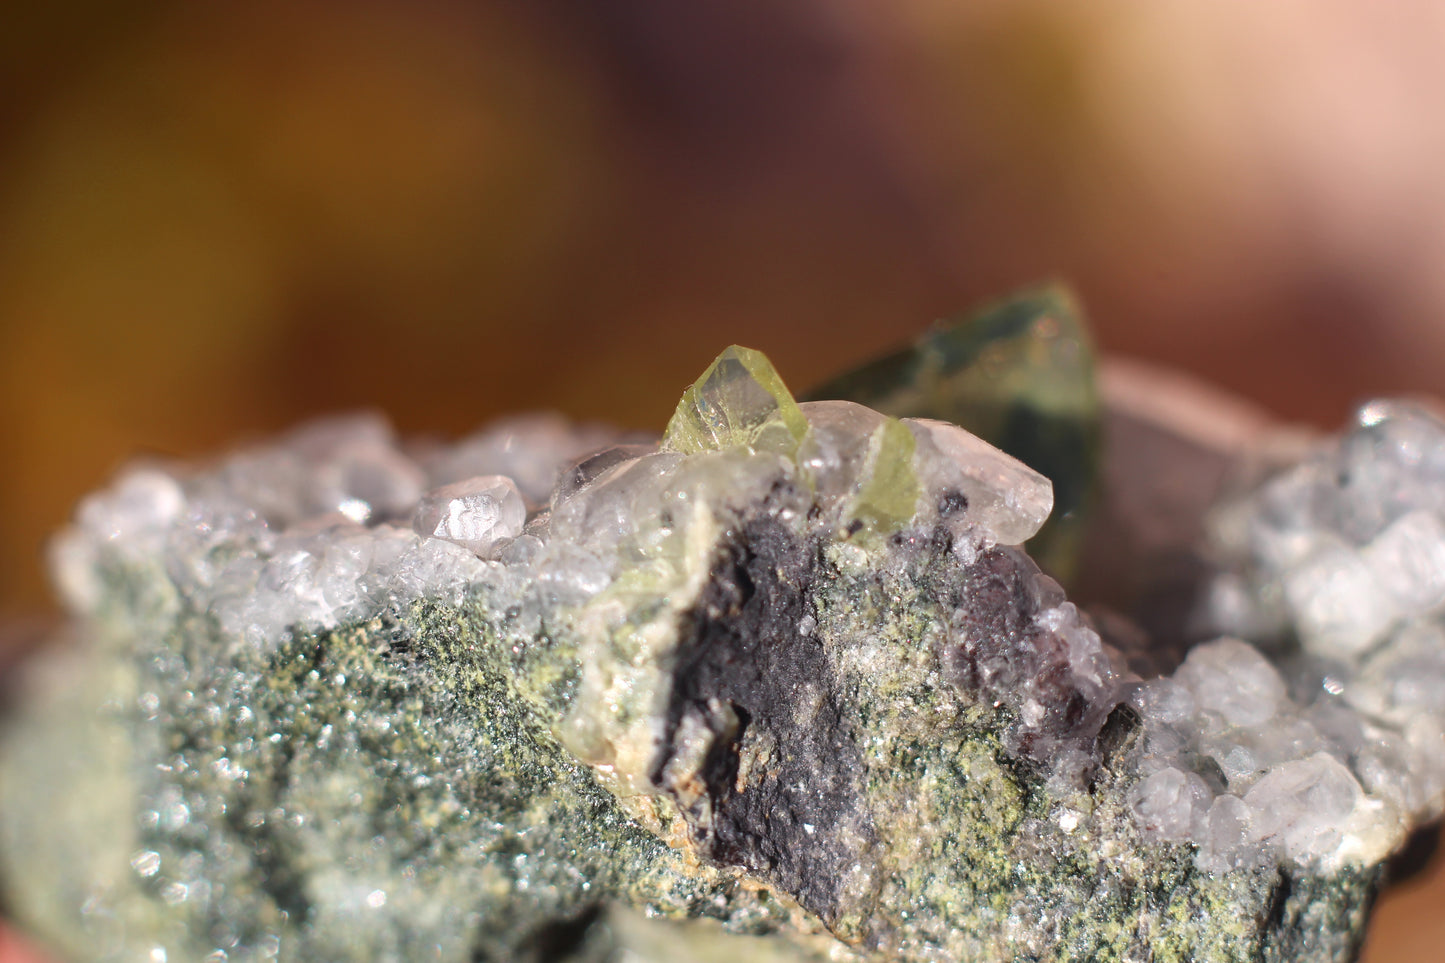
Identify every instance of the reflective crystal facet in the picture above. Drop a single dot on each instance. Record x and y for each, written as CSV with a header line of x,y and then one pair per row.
x,y
861,460
739,402
475,513
1005,498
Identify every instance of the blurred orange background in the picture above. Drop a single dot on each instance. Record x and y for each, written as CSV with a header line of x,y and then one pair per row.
x,y
218,218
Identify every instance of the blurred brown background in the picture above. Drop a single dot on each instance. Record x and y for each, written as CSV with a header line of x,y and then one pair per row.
x,y
217,218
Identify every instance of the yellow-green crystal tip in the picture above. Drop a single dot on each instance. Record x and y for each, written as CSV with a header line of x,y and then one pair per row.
x,y
739,402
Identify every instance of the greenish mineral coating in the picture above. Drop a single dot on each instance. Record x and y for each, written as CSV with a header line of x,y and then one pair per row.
x,y
1019,373
793,718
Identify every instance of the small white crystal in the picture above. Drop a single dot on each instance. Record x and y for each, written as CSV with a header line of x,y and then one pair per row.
x,y
1393,464
1277,526
1167,700
1339,605
1389,768
1232,678
349,464
1302,807
1232,606
1244,753
1172,804
408,567
1226,844
474,513
1408,560
271,482
366,483
142,504
134,518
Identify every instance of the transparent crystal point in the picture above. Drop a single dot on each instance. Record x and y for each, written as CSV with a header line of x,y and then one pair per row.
x,y
1007,501
475,513
739,402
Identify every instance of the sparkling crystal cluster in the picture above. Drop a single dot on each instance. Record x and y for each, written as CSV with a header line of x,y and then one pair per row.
x,y
331,524
1333,747
779,684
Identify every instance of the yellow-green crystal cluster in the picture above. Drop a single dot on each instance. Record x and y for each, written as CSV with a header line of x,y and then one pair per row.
x,y
741,402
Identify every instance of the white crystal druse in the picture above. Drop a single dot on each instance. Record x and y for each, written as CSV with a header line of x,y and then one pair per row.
x,y
333,523
1329,750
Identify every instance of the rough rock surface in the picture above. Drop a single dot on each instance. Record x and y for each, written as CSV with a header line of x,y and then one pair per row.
x,y
781,686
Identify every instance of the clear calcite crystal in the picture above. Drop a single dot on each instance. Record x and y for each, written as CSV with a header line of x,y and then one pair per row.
x,y
1006,496
476,513
783,686
860,461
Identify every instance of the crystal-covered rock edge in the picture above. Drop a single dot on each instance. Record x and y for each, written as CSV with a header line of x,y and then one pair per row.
x,y
1319,757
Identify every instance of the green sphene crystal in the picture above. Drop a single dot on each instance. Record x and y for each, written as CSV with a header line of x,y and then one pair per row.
x,y
739,402
888,494
1018,373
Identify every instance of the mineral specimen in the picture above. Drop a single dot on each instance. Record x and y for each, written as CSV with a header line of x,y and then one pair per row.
x,y
781,686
